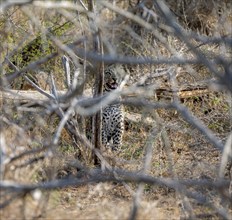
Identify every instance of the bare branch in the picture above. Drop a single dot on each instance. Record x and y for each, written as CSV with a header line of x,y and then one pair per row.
x,y
66,65
5,5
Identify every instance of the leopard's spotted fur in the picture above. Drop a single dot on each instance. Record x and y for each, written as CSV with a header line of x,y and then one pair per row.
x,y
112,115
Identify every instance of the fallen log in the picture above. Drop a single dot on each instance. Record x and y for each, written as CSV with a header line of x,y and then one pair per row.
x,y
24,96
17,96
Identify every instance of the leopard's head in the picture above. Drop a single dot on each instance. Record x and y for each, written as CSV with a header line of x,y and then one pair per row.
x,y
112,76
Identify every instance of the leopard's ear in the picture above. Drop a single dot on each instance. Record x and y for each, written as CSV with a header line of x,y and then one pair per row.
x,y
121,73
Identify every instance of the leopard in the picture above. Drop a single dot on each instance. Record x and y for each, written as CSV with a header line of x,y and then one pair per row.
x,y
112,114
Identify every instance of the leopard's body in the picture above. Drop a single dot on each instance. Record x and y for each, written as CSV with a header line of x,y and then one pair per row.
x,y
112,115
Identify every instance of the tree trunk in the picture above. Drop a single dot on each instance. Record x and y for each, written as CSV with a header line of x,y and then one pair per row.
x,y
98,85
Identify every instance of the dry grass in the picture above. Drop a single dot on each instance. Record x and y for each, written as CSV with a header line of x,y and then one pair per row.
x,y
192,156
103,201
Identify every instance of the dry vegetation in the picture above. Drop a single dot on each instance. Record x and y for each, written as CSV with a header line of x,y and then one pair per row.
x,y
176,153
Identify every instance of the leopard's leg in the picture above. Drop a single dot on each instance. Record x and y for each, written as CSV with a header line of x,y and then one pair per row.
x,y
117,136
104,138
